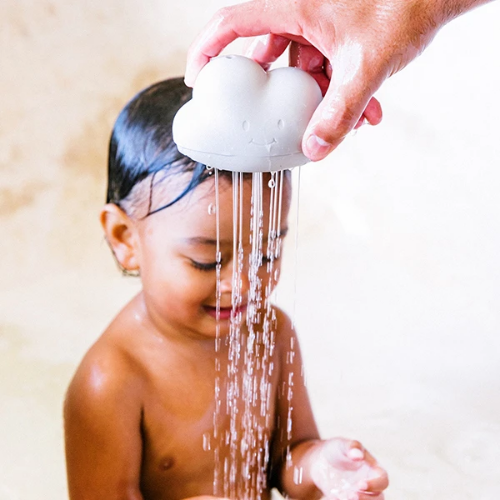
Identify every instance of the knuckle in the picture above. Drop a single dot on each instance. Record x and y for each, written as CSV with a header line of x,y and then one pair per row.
x,y
224,14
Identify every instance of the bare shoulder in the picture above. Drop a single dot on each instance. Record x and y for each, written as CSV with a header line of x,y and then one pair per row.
x,y
111,365
109,376
105,370
102,421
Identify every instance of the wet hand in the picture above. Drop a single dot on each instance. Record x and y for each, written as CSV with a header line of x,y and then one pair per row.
x,y
343,470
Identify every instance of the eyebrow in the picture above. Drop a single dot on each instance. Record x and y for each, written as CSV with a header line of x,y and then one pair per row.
x,y
202,240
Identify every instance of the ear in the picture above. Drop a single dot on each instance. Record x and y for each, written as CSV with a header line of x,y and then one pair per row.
x,y
121,235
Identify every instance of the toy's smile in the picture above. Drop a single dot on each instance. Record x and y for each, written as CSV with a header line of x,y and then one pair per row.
x,y
265,144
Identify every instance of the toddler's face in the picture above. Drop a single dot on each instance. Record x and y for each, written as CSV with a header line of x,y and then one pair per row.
x,y
176,252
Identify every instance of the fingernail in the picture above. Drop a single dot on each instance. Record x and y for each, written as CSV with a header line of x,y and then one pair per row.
x,y
317,148
315,63
252,47
258,44
356,454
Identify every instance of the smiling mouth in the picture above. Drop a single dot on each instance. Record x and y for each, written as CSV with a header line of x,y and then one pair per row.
x,y
224,312
265,144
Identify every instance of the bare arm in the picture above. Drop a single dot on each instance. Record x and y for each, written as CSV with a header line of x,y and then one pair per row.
x,y
306,473
351,48
303,432
102,415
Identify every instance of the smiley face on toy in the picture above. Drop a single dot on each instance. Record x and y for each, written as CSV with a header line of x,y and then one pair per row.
x,y
244,119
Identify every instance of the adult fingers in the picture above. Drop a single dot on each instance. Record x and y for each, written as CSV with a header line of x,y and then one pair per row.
x,y
372,114
242,20
266,49
311,60
341,109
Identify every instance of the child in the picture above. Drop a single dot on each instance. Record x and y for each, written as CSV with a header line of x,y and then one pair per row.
x,y
142,403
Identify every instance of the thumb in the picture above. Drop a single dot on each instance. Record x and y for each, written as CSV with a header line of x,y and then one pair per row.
x,y
343,453
338,113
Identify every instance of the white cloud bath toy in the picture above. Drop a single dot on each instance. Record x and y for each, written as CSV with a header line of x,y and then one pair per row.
x,y
244,119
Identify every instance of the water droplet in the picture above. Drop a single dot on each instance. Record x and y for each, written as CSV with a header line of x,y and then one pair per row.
x,y
211,209
206,441
297,475
209,167
271,183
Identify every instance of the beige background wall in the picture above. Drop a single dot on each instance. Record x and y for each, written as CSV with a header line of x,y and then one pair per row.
x,y
398,283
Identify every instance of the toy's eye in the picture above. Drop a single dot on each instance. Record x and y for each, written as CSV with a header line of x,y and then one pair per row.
x,y
281,124
245,125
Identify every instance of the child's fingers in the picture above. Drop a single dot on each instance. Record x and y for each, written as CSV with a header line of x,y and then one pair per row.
x,y
370,496
378,479
343,452
377,482
370,459
354,450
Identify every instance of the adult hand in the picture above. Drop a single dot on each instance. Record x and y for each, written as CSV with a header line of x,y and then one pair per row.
x,y
350,47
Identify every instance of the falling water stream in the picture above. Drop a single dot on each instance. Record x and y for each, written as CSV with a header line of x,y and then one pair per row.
x,y
246,385
242,426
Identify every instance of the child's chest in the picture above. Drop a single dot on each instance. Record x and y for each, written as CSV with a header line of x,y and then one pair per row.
x,y
205,424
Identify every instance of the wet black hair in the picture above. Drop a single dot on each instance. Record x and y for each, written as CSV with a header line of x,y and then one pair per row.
x,y
141,144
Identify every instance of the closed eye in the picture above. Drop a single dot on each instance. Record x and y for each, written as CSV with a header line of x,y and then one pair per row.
x,y
202,266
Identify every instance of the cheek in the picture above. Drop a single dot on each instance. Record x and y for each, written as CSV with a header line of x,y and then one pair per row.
x,y
168,275
270,274
179,292
191,285
197,284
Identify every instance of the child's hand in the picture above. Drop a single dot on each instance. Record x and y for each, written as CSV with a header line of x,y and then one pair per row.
x,y
344,470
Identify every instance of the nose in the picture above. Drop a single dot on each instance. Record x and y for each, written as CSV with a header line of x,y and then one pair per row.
x,y
227,276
